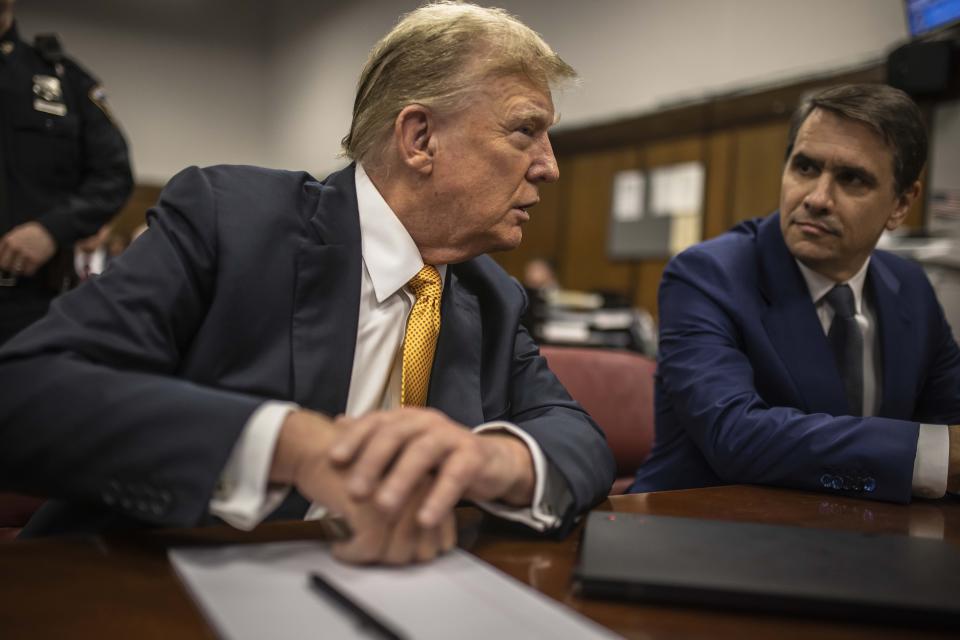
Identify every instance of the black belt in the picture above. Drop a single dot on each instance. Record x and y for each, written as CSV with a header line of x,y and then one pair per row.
x,y
11,284
8,279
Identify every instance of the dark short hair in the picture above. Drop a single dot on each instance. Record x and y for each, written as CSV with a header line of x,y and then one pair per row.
x,y
888,111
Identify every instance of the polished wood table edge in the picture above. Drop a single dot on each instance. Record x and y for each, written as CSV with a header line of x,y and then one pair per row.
x,y
122,585
936,519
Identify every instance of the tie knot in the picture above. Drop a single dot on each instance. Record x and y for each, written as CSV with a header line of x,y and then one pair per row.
x,y
841,299
426,283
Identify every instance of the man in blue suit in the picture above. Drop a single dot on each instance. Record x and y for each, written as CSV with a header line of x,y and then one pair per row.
x,y
792,353
272,337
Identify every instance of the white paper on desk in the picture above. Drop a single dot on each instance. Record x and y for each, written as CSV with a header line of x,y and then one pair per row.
x,y
628,195
262,591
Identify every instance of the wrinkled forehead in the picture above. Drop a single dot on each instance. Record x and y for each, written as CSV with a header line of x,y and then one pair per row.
x,y
515,95
826,133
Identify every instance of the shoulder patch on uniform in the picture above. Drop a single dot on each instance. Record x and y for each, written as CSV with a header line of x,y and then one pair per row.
x,y
98,96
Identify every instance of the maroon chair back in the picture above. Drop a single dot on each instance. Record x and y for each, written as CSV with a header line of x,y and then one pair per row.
x,y
15,510
616,388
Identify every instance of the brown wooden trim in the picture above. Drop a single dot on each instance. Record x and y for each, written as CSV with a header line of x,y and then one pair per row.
x,y
721,112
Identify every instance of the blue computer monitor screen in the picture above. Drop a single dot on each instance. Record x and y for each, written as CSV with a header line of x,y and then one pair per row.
x,y
927,15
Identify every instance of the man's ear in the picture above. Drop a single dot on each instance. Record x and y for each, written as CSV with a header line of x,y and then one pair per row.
x,y
904,201
413,132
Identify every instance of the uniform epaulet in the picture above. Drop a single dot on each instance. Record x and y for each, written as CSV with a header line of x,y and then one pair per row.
x,y
48,47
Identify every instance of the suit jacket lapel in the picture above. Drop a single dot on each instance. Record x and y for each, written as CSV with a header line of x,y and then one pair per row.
x,y
794,329
455,377
896,348
327,298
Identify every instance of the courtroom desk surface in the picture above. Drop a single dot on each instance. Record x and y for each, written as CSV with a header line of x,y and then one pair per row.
x,y
121,586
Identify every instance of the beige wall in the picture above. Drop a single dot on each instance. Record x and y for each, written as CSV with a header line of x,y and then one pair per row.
x,y
185,78
255,81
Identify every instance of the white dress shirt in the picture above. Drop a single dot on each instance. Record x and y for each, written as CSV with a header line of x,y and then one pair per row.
x,y
933,443
93,262
390,260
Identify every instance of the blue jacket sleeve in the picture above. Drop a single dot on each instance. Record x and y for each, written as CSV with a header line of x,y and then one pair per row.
x,y
710,336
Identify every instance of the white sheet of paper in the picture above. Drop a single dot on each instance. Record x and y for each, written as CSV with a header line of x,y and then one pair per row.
x,y
677,189
262,591
628,195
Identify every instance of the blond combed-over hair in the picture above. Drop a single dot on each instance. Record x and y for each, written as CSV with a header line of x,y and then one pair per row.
x,y
435,56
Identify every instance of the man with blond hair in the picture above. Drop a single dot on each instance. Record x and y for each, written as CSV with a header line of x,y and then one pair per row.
x,y
274,340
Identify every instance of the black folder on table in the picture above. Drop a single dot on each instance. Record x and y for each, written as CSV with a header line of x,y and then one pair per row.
x,y
772,568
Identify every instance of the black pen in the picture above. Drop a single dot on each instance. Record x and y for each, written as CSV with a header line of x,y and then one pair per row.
x,y
365,618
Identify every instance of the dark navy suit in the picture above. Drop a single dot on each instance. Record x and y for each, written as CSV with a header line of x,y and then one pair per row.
x,y
125,401
748,391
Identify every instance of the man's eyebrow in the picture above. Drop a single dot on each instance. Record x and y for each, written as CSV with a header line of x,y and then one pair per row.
x,y
860,172
800,156
534,114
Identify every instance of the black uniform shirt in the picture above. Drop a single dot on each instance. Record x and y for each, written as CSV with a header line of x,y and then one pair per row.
x,y
65,162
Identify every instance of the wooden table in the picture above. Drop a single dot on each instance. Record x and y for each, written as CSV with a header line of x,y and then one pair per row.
x,y
123,586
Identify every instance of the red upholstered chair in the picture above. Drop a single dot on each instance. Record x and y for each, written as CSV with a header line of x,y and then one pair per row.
x,y
616,388
15,510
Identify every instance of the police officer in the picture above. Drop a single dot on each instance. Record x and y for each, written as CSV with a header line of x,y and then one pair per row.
x,y
64,170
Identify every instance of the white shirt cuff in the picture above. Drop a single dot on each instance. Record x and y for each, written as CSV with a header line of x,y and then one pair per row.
x,y
932,463
243,498
539,515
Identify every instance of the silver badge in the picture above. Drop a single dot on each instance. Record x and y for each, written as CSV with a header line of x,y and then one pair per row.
x,y
53,108
47,88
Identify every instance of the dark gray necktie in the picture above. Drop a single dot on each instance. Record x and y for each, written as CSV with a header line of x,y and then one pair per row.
x,y
847,343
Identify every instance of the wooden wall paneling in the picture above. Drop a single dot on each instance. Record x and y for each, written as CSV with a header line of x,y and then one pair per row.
x,y
667,123
778,102
658,154
719,112
758,167
685,149
718,198
582,259
649,274
540,235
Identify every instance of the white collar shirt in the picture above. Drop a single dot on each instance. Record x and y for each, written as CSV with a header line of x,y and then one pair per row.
x,y
932,458
390,259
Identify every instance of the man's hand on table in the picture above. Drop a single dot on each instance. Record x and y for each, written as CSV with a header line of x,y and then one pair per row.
x,y
301,459
388,455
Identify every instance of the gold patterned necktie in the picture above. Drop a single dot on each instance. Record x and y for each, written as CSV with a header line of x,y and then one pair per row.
x,y
420,341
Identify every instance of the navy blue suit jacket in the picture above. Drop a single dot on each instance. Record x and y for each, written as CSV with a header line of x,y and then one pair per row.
x,y
747,389
125,401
